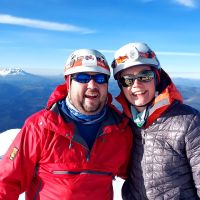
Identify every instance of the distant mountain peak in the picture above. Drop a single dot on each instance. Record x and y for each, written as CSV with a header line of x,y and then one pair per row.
x,y
11,71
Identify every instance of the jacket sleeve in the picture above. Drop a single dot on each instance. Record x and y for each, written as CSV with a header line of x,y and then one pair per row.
x,y
193,150
18,164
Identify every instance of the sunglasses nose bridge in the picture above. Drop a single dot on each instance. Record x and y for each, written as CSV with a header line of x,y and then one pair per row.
x,y
135,81
92,82
92,78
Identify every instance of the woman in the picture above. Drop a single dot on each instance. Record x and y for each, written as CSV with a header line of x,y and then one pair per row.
x,y
166,149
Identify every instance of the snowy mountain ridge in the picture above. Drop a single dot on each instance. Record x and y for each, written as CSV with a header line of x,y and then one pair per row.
x,y
12,71
31,92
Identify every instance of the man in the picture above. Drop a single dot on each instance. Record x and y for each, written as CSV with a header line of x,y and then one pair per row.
x,y
166,147
74,148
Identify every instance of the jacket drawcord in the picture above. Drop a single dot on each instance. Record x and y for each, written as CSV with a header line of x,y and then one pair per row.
x,y
88,157
143,137
70,143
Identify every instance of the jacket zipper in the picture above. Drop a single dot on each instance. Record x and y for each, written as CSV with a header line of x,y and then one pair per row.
x,y
62,172
144,134
88,150
143,137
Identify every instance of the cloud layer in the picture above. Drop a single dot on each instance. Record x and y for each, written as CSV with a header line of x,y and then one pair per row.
x,y
187,3
196,54
47,25
163,53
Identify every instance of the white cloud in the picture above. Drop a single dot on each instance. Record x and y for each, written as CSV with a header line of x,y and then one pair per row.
x,y
47,25
179,54
164,53
187,3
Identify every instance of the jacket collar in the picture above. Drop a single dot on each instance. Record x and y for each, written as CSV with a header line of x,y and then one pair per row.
x,y
64,128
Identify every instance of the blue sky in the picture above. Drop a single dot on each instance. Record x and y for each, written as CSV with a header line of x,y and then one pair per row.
x,y
38,36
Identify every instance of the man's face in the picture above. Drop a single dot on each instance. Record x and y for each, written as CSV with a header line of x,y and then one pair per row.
x,y
88,98
140,93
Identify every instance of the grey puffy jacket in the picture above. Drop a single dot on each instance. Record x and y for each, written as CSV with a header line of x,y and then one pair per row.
x,y
166,158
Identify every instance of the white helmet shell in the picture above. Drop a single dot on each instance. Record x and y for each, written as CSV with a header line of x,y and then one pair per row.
x,y
134,54
86,60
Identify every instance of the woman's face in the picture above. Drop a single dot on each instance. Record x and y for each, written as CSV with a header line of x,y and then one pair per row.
x,y
140,93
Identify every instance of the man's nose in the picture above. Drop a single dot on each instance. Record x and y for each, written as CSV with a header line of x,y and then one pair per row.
x,y
92,84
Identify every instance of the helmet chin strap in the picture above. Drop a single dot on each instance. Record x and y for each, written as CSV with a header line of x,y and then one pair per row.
x,y
68,85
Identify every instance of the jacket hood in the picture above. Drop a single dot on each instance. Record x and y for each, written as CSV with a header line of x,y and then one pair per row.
x,y
58,94
167,94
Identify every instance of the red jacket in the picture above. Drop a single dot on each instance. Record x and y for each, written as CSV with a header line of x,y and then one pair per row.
x,y
48,161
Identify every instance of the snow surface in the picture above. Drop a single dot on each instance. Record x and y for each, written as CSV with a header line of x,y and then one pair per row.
x,y
11,71
6,139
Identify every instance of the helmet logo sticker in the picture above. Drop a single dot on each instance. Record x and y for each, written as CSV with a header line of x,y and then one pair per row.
x,y
134,54
121,59
89,57
72,62
149,54
88,60
102,62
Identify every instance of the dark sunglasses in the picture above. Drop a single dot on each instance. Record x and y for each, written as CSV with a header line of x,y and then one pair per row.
x,y
86,78
144,76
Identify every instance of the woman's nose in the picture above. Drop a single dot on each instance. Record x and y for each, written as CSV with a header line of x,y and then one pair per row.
x,y
136,83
